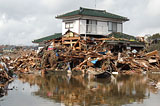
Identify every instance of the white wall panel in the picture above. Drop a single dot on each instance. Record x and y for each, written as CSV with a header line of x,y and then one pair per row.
x,y
102,28
82,26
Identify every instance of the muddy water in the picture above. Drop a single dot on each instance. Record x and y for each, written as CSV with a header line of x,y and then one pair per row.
x,y
67,90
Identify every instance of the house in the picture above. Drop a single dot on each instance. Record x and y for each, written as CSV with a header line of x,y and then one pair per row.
x,y
86,21
98,25
91,22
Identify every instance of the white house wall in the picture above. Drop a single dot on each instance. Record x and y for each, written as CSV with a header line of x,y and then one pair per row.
x,y
74,29
76,26
102,28
79,25
63,28
82,26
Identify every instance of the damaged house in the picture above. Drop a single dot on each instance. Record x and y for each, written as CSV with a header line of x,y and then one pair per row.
x,y
95,24
91,22
92,41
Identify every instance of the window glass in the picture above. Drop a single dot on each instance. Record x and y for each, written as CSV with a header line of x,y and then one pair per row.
x,y
91,26
69,25
109,26
94,26
119,27
114,24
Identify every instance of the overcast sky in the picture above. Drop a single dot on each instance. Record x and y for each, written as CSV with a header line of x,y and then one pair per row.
x,y
22,21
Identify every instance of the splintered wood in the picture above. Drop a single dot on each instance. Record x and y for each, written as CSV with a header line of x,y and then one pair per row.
x,y
96,54
87,55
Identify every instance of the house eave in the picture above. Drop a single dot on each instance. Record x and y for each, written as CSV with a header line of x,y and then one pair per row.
x,y
90,17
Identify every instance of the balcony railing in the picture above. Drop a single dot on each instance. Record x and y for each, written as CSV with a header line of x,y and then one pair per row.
x,y
94,29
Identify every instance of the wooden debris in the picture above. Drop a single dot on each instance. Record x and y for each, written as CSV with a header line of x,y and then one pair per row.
x,y
85,54
152,53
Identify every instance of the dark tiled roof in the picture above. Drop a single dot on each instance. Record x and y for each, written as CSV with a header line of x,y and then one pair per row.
x,y
93,12
121,35
55,36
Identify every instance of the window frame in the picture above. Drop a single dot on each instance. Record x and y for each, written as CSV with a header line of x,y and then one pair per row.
x,y
70,25
115,23
110,26
90,25
121,24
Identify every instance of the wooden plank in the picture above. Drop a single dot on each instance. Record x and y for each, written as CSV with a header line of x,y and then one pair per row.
x,y
152,53
70,38
69,43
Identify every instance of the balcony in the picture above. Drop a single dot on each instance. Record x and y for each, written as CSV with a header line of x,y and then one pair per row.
x,y
94,29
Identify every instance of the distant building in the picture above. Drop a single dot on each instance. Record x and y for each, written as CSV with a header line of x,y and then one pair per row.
x,y
8,49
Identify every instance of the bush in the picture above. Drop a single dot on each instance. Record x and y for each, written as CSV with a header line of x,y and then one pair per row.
x,y
153,47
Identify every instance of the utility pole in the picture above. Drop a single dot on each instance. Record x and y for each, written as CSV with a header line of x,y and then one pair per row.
x,y
95,3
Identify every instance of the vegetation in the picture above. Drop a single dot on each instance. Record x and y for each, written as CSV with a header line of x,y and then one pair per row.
x,y
154,36
153,47
154,42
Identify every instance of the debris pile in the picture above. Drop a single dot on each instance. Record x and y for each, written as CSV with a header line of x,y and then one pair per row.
x,y
88,55
64,59
5,72
97,56
26,63
139,62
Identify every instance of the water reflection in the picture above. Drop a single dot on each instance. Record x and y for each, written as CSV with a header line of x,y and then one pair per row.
x,y
77,90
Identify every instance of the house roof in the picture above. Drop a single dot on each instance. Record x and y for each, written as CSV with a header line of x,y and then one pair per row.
x,y
93,12
131,43
55,36
121,35
125,38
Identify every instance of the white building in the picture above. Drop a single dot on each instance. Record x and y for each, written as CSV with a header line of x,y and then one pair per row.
x,y
91,22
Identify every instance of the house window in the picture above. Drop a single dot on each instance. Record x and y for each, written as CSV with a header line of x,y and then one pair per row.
x,y
119,27
91,26
69,25
112,26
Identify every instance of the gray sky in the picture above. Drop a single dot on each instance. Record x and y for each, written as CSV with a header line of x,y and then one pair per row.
x,y
22,21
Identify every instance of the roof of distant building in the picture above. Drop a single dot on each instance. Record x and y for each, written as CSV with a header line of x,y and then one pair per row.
x,y
54,36
121,35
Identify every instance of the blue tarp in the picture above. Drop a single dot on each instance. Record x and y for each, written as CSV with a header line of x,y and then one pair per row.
x,y
94,61
103,52
57,54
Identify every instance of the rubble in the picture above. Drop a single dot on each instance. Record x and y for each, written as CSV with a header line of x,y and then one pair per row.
x,y
74,53
86,61
5,72
27,63
96,56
